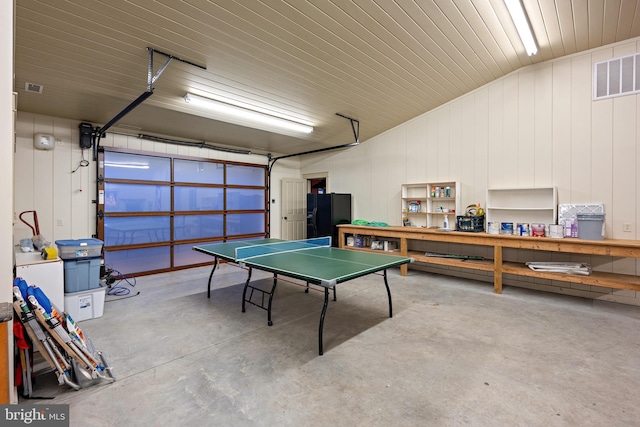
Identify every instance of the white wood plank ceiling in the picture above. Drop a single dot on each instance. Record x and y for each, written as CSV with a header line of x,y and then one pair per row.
x,y
382,62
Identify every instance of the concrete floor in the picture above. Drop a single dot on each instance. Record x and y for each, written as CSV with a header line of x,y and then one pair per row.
x,y
453,354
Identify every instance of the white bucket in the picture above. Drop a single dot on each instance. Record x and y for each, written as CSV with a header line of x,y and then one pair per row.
x,y
556,231
522,229
537,230
493,227
506,228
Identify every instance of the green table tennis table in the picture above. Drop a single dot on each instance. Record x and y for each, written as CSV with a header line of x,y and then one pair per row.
x,y
313,261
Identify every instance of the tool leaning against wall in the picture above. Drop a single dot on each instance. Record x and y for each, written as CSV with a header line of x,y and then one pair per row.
x,y
37,241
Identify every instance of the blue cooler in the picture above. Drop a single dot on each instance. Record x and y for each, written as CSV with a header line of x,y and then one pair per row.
x,y
82,259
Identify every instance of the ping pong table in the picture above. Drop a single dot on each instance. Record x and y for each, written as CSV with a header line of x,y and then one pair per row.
x,y
313,261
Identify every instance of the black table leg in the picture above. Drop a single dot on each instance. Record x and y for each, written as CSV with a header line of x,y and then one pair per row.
x,y
215,264
386,284
273,291
324,311
306,291
244,291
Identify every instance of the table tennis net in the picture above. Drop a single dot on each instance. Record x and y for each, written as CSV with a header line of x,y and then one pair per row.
x,y
281,247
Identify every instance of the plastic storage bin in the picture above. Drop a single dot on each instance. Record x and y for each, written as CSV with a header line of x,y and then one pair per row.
x,y
79,248
85,305
81,274
591,226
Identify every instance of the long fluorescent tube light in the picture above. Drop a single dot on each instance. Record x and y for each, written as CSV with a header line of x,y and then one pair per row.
x,y
230,110
522,25
192,144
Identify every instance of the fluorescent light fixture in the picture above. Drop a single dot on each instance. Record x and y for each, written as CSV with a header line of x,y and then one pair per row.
x,y
192,144
225,109
522,25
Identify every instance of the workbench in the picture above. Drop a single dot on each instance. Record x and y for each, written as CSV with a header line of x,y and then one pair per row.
x,y
407,235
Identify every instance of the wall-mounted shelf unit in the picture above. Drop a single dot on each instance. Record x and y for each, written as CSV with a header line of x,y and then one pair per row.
x,y
414,204
434,201
443,199
427,204
522,205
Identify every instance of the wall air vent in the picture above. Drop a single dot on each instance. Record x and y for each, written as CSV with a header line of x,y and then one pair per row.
x,y
616,77
33,87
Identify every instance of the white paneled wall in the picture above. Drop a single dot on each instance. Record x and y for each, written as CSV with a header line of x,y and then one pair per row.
x,y
45,181
7,105
535,127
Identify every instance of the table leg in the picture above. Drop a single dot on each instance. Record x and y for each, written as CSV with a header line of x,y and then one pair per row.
x,y
273,291
246,285
215,264
497,269
324,311
386,284
404,250
306,291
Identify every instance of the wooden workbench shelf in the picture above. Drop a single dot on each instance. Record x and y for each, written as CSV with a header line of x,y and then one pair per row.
x,y
377,251
607,247
474,264
596,278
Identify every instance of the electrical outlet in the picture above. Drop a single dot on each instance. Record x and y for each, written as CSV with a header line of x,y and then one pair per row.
x,y
59,142
60,222
626,227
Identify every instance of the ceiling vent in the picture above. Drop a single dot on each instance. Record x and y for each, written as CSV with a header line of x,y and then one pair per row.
x,y
616,77
33,87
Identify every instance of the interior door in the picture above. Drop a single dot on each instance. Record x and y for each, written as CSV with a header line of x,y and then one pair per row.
x,y
294,209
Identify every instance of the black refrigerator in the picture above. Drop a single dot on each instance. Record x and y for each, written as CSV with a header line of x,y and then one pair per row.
x,y
324,212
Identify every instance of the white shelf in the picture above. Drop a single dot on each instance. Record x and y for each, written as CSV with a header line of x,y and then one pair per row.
x,y
428,215
535,205
520,209
435,219
411,193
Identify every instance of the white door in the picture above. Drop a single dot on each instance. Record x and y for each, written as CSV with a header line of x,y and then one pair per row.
x,y
294,209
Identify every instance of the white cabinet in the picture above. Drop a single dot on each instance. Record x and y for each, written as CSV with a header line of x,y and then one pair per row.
x,y
427,204
48,275
522,205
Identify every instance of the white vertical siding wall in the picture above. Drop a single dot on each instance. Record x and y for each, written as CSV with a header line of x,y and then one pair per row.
x,y
6,177
534,127
44,181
